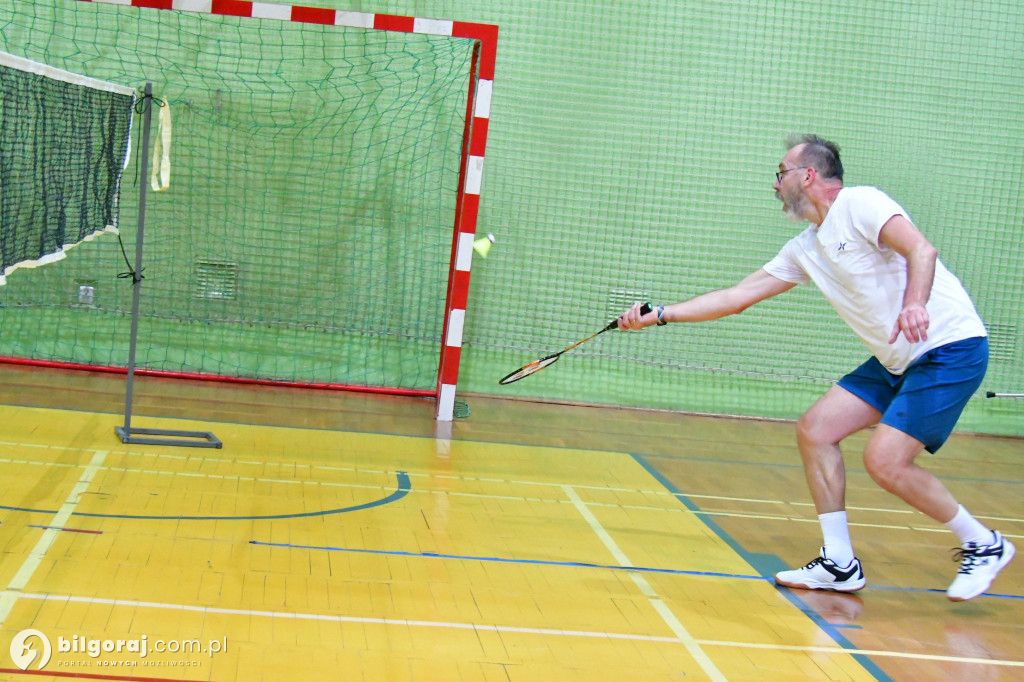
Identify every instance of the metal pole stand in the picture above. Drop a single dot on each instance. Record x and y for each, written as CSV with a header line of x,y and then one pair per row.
x,y
127,434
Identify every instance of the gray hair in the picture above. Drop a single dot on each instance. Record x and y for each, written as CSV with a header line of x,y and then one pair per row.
x,y
819,154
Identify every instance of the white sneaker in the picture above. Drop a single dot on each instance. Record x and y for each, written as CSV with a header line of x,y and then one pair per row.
x,y
823,574
979,565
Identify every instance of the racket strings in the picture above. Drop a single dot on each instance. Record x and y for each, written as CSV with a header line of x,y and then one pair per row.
x,y
537,365
529,369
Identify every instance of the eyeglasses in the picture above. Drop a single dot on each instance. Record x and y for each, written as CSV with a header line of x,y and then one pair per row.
x,y
778,176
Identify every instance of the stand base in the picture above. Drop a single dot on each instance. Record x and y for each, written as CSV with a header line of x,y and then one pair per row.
x,y
199,439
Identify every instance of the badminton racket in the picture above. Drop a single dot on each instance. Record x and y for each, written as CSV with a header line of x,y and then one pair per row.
x,y
548,360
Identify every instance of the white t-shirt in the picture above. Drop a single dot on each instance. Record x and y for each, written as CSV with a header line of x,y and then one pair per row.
x,y
864,280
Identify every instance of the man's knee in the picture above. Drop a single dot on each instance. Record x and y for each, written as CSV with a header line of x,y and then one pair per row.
x,y
883,470
888,456
811,428
836,415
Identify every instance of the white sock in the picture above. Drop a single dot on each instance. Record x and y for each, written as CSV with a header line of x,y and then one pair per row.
x,y
837,538
968,529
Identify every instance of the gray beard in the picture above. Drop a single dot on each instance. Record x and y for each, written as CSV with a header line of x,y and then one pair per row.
x,y
794,214
794,206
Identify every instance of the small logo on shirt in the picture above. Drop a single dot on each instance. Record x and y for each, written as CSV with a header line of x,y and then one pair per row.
x,y
842,246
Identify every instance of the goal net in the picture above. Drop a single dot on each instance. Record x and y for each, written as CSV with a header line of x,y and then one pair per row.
x,y
322,194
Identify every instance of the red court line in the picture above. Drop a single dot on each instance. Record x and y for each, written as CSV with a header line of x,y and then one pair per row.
x,y
68,530
90,676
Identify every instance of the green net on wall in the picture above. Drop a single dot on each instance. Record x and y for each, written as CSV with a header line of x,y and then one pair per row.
x,y
307,229
630,156
649,177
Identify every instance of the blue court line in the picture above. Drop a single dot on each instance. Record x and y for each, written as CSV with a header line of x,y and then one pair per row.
x,y
940,591
576,564
767,566
534,562
403,488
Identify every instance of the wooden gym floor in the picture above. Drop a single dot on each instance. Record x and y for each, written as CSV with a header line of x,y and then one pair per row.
x,y
341,536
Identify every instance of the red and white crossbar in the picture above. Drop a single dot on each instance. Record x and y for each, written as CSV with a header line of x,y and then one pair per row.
x,y
474,144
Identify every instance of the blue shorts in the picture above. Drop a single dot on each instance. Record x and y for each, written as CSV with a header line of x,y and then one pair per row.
x,y
926,400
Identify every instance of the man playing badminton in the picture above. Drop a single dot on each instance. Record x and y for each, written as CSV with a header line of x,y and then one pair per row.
x,y
929,354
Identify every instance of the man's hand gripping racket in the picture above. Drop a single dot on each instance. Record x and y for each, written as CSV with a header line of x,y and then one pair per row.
x,y
537,365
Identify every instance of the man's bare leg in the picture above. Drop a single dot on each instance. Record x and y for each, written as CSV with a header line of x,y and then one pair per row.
x,y
836,415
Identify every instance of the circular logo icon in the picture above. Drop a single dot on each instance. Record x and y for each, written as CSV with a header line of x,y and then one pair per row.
x,y
22,652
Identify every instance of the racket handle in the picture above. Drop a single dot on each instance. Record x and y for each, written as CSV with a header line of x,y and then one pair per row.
x,y
644,309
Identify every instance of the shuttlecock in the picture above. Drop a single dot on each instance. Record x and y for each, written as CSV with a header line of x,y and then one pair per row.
x,y
483,245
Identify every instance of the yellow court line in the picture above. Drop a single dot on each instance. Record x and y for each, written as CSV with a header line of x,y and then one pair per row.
x,y
771,517
483,627
661,493
699,655
698,512
305,472
28,568
291,615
